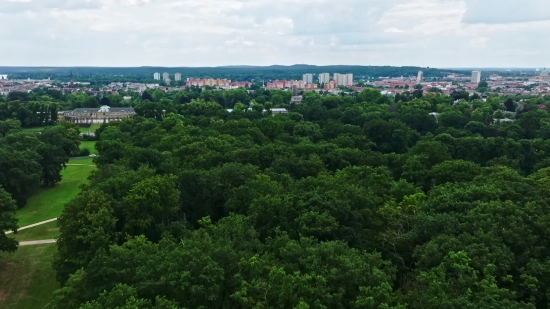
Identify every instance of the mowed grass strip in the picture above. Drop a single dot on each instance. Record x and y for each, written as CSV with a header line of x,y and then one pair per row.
x,y
80,161
48,203
36,129
90,145
48,230
27,280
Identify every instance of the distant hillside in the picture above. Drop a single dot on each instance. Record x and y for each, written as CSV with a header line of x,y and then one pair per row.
x,y
238,72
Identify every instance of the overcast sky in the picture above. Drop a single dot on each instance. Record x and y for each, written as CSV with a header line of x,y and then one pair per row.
x,y
435,33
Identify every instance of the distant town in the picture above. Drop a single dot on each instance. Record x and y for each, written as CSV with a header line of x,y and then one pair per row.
x,y
537,84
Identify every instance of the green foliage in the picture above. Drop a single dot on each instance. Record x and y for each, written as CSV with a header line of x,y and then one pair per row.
x,y
348,201
8,222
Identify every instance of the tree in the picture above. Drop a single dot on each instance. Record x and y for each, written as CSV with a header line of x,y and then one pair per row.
x,y
8,222
510,106
369,95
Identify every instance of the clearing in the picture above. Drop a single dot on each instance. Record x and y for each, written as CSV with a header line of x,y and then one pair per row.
x,y
90,145
48,203
27,280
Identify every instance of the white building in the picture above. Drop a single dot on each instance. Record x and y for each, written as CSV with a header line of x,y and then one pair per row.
x,y
156,76
308,78
3,77
324,78
337,79
420,77
476,76
343,79
177,77
165,76
348,80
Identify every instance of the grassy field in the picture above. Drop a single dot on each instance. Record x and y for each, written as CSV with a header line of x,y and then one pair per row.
x,y
82,161
90,145
92,128
48,203
27,280
45,231
36,129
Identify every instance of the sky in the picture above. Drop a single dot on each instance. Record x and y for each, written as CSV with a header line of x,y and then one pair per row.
x,y
195,33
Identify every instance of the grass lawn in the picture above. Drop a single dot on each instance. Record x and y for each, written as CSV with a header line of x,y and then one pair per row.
x,y
48,203
45,231
27,280
36,129
92,128
82,161
90,145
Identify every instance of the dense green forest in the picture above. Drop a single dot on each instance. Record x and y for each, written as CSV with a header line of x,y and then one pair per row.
x,y
347,201
237,73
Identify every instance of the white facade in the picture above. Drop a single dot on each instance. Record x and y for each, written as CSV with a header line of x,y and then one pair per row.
x,y
308,78
420,77
324,78
3,77
177,77
156,76
165,76
348,80
476,76
337,79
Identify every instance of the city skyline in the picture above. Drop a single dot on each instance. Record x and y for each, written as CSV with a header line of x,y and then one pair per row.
x,y
423,33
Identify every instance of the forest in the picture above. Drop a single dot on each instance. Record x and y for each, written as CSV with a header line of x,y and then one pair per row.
x,y
348,201
235,73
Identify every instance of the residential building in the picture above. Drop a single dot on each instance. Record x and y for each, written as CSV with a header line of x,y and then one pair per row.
x,y
337,79
308,78
296,99
295,90
420,77
277,111
156,76
476,77
165,76
177,77
348,80
324,78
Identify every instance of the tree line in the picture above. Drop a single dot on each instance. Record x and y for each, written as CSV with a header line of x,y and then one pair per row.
x,y
347,201
29,161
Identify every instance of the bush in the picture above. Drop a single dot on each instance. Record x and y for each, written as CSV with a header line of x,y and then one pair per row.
x,y
84,152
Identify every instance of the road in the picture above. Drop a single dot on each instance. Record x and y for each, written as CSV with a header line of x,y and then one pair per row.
x,y
32,225
36,242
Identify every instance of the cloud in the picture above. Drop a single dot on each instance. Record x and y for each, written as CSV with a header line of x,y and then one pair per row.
x,y
16,6
506,11
264,32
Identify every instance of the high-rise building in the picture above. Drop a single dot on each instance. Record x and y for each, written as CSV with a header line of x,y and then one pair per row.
x,y
476,76
348,80
295,90
420,77
156,76
308,78
177,77
337,79
165,76
324,78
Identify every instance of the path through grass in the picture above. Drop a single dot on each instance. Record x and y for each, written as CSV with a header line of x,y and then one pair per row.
x,y
44,231
27,280
49,203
